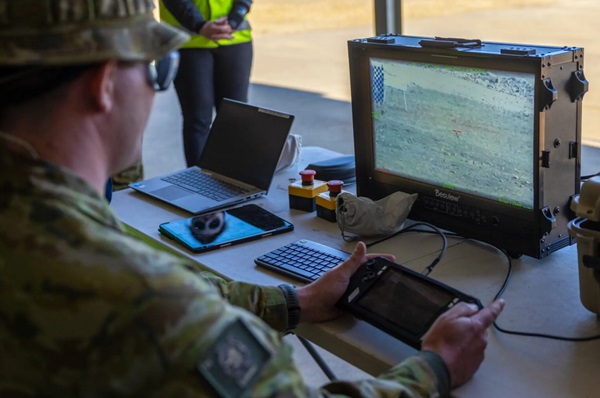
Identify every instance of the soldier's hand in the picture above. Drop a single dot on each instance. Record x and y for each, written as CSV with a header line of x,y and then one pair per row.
x,y
318,299
459,336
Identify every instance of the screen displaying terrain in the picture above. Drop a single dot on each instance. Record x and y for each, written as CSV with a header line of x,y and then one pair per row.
x,y
462,128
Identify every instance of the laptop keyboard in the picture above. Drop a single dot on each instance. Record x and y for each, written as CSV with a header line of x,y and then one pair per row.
x,y
205,185
304,260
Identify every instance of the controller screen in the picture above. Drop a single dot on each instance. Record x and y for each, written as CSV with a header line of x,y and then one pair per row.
x,y
405,300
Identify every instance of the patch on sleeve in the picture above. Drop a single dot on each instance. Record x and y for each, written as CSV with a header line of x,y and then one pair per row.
x,y
233,363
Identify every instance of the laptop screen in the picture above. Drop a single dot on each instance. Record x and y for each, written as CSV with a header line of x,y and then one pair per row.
x,y
245,142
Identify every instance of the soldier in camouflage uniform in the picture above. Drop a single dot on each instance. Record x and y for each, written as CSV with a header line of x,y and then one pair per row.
x,y
87,310
133,173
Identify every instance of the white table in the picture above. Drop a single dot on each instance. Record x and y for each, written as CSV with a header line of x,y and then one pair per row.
x,y
542,296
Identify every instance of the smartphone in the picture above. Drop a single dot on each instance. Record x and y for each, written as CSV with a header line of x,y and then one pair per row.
x,y
206,232
398,300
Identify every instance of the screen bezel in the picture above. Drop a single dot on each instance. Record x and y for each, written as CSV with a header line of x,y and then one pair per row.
x,y
363,283
375,183
414,285
519,230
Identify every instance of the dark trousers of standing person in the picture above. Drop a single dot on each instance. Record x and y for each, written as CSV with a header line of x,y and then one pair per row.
x,y
205,77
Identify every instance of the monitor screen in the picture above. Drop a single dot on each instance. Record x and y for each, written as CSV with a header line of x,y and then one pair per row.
x,y
426,301
466,129
486,134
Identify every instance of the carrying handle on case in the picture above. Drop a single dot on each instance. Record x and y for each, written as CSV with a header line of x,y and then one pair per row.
x,y
449,42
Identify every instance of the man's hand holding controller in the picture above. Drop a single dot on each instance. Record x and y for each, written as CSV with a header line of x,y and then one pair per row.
x,y
458,336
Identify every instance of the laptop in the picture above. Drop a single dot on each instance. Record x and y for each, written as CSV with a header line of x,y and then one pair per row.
x,y
236,165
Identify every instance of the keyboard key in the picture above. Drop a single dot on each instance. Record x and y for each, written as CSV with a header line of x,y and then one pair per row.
x,y
304,260
205,185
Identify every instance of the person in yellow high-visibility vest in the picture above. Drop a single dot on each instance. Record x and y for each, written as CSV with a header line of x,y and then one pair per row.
x,y
215,63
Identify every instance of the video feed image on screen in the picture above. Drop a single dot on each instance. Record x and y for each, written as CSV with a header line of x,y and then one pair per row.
x,y
462,128
424,300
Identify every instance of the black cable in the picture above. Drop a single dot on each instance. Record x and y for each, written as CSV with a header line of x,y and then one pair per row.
x,y
587,177
412,228
318,359
531,334
502,288
311,350
508,272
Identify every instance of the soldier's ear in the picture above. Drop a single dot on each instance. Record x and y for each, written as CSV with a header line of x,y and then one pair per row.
x,y
102,85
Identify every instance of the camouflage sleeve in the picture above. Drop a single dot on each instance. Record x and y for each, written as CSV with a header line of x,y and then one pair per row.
x,y
199,311
416,377
267,302
159,331
158,346
275,371
158,338
422,375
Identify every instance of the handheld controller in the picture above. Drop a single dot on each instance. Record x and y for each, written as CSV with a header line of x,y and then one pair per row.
x,y
398,300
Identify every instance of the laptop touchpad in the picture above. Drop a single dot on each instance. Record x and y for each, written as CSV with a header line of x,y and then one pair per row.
x,y
171,192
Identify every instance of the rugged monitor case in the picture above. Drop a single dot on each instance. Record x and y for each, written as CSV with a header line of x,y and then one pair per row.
x,y
559,88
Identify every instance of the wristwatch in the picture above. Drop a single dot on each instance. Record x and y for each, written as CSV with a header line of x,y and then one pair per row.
x,y
293,305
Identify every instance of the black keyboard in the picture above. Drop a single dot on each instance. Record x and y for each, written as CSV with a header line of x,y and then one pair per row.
x,y
205,185
303,260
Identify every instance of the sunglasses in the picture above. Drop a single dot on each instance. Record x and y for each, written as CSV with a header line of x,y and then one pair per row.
x,y
162,71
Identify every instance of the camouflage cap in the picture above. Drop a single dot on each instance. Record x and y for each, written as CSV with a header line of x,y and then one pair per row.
x,y
68,32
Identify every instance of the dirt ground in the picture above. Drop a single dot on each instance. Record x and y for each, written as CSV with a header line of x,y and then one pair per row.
x,y
471,144
301,44
285,16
